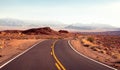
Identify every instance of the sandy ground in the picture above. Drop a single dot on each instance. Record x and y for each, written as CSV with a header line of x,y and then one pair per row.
x,y
14,47
104,58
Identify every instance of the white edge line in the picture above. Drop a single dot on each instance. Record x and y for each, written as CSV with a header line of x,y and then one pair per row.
x,y
90,58
18,55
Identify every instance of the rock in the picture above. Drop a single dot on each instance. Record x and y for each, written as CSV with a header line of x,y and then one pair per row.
x,y
103,51
86,45
63,31
95,49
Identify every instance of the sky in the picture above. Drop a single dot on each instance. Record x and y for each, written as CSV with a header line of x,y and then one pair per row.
x,y
65,11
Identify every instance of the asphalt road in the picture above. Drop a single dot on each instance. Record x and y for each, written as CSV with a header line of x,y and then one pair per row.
x,y
73,61
38,58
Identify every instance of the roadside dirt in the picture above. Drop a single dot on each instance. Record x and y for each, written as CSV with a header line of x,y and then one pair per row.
x,y
94,53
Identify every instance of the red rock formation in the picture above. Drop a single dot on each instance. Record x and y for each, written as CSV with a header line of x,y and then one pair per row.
x,y
36,31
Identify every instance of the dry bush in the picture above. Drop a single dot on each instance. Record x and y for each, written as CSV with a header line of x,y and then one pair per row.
x,y
87,43
95,49
91,39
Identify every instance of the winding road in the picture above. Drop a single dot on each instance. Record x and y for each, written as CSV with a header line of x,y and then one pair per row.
x,y
52,55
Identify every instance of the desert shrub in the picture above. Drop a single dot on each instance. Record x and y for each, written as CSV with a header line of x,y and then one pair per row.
x,y
116,56
91,39
0,55
86,45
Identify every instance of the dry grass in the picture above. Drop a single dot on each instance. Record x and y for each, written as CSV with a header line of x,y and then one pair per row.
x,y
86,42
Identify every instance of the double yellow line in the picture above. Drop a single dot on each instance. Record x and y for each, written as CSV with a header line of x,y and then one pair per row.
x,y
58,63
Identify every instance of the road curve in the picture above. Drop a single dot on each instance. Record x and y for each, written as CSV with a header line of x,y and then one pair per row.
x,y
37,58
73,61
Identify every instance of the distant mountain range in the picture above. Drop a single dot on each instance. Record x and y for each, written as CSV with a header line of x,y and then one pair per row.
x,y
29,24
11,22
17,24
80,26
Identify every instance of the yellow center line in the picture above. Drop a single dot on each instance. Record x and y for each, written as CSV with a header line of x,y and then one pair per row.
x,y
58,66
56,59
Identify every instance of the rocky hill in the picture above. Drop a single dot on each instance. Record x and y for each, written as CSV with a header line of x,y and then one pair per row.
x,y
45,30
35,31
